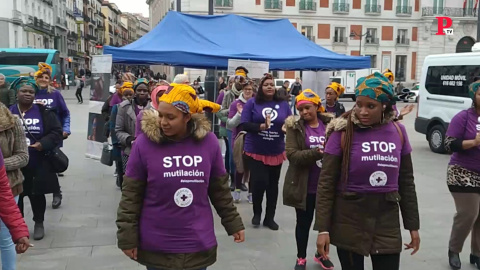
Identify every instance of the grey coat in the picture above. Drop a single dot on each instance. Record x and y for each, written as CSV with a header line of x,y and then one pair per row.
x,y
125,125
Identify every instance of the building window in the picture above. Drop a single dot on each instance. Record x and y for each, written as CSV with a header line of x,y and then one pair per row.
x,y
340,36
372,36
400,68
402,37
403,3
373,61
307,31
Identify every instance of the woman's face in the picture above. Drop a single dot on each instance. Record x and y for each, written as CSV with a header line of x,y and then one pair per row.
x,y
43,81
2,80
330,96
477,99
368,111
142,92
173,122
268,88
308,111
247,92
128,95
26,95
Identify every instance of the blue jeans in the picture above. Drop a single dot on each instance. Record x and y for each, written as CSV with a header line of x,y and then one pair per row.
x,y
7,248
292,105
149,268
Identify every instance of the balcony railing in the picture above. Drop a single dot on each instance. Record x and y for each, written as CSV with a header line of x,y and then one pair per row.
x,y
449,12
373,9
273,5
341,8
404,10
308,6
403,41
223,4
340,40
372,41
17,17
72,52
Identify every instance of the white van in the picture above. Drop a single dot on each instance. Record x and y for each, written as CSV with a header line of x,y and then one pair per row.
x,y
443,93
349,78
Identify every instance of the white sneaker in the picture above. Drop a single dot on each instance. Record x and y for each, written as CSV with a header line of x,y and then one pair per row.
x,y
250,201
236,196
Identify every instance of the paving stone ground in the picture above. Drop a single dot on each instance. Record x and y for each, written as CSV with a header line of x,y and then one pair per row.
x,y
81,234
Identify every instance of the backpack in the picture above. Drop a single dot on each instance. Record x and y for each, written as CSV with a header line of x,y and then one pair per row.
x,y
238,144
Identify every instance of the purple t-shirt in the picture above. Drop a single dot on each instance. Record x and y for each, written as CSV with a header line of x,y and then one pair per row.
x,y
231,113
220,97
374,159
116,99
330,109
34,122
271,141
315,138
464,126
176,216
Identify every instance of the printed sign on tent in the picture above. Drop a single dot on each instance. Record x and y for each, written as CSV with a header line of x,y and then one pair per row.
x,y
102,63
256,69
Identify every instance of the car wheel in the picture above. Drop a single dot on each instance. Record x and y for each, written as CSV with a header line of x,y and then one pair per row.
x,y
416,100
436,139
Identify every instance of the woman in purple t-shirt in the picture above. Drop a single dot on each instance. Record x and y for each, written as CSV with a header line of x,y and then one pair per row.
x,y
366,180
463,178
233,122
304,146
174,174
263,118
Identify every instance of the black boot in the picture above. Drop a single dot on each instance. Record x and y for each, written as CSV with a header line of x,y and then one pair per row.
x,y
475,260
57,200
454,260
269,220
256,220
38,231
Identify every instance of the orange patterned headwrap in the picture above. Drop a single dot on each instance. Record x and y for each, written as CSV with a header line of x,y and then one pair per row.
x,y
309,96
126,86
338,88
43,68
184,98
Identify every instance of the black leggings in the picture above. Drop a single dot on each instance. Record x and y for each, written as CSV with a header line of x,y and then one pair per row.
x,y
227,155
304,223
78,94
264,179
38,203
355,261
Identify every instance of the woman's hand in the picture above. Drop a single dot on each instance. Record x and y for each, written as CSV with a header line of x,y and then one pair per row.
x,y
37,146
263,127
406,110
323,245
239,108
477,139
22,245
415,243
284,128
268,120
239,237
131,253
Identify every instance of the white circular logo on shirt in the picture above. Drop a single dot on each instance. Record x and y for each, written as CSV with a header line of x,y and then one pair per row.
x,y
378,179
183,197
478,119
319,163
277,106
273,113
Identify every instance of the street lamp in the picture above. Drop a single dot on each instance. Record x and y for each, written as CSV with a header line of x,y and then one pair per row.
x,y
354,34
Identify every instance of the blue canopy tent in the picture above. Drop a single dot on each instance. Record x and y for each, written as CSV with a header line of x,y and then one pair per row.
x,y
207,42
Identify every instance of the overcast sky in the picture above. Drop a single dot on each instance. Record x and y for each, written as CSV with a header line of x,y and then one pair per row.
x,y
132,6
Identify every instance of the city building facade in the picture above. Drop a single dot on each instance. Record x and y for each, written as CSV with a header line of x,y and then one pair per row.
x,y
396,34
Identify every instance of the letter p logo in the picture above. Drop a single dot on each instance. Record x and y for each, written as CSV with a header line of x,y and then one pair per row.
x,y
442,27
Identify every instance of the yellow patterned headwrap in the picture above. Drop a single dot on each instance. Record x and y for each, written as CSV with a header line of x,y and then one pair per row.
x,y
43,68
389,74
338,88
184,98
126,86
309,96
241,71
